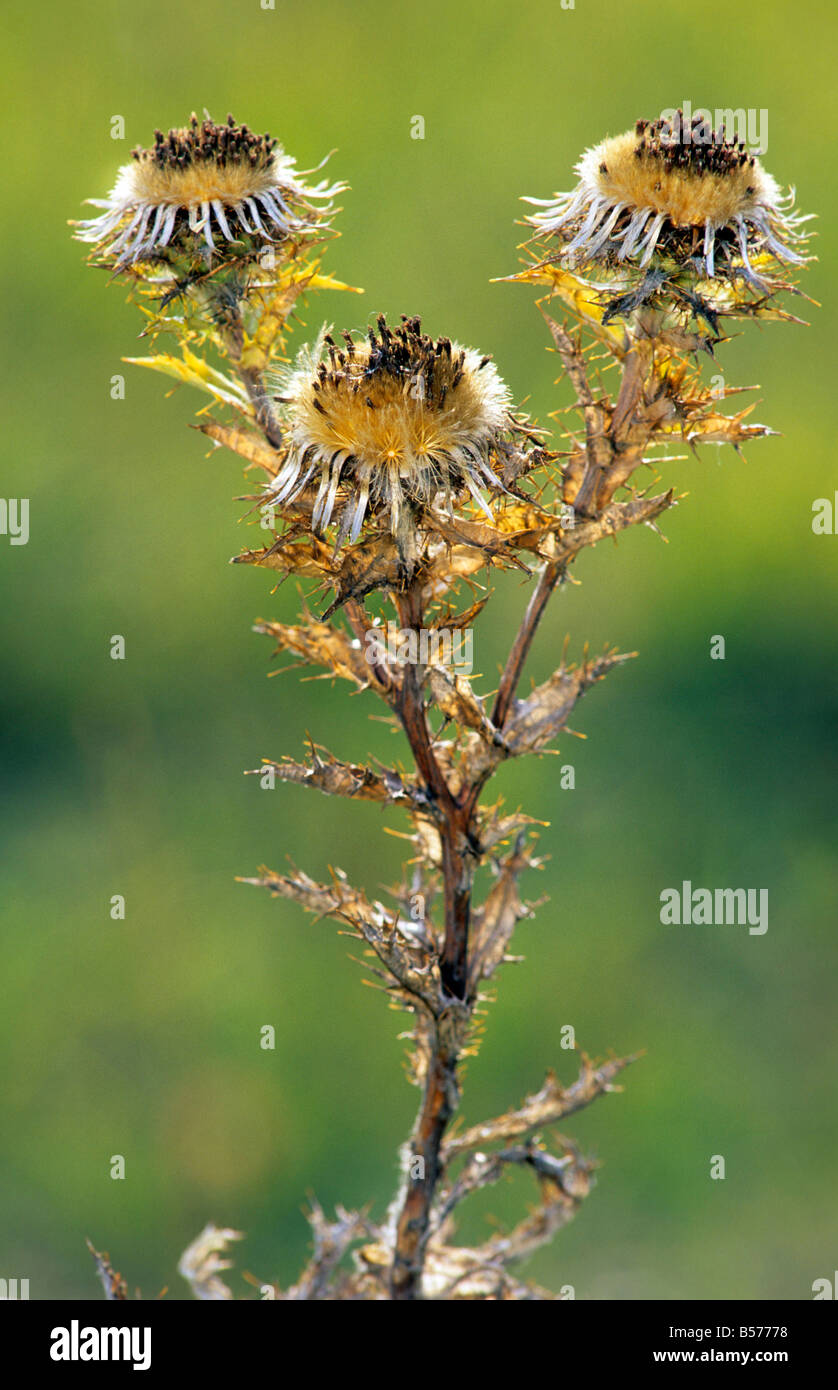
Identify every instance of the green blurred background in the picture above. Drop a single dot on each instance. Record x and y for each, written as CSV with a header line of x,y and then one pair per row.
x,y
141,1038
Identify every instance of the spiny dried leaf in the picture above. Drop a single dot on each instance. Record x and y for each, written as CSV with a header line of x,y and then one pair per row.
x,y
596,413
529,726
564,1182
247,444
560,543
517,463
714,428
545,1107
351,572
445,565
394,939
456,622
610,521
494,829
621,304
563,1186
362,569
332,1241
427,839
454,696
451,1273
533,722
494,542
495,922
328,774
116,1289
303,555
201,1263
322,644
584,298
422,1037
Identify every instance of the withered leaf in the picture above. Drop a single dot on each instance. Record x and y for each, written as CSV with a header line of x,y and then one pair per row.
x,y
332,1240
321,644
329,774
246,443
495,921
553,1102
394,941
494,829
533,722
715,428
116,1289
364,568
490,542
302,555
454,696
202,1263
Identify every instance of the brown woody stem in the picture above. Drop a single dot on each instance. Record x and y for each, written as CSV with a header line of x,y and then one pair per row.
x,y
441,1089
438,1105
547,581
455,818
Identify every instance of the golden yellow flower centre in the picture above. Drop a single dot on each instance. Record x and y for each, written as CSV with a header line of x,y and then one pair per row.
x,y
204,161
688,180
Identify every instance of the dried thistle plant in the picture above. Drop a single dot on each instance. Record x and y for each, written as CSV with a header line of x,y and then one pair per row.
x,y
395,477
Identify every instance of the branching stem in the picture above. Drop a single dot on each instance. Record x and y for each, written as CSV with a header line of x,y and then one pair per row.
x,y
441,1090
547,581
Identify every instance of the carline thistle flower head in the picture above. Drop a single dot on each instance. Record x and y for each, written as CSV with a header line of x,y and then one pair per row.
x,y
678,189
389,426
198,183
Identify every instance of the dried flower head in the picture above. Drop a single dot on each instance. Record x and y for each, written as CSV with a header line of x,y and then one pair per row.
x,y
679,189
389,425
196,182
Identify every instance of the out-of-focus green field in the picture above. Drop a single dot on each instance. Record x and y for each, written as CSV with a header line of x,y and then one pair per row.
x,y
141,1038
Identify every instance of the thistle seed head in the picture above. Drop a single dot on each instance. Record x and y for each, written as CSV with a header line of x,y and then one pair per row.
x,y
198,182
388,425
679,191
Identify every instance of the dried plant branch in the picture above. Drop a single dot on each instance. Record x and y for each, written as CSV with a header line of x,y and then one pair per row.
x,y
549,577
548,1106
394,477
203,1262
332,1242
115,1287
328,774
390,937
